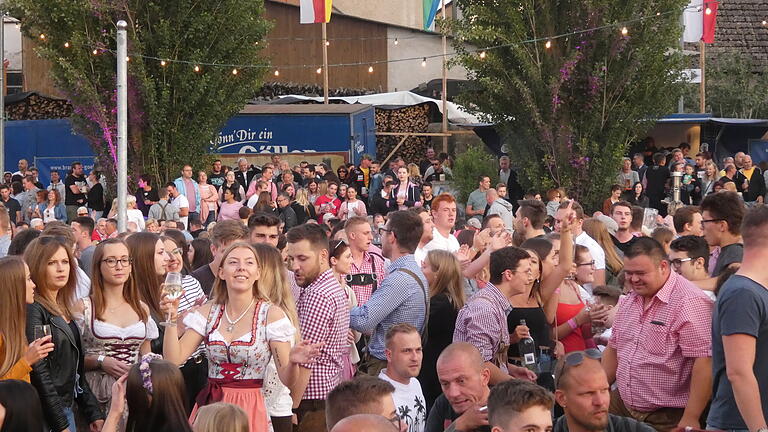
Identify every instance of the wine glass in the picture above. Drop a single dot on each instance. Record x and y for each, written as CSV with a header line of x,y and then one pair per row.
x,y
172,289
41,331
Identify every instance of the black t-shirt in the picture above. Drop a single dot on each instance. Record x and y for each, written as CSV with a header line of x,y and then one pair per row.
x,y
623,247
13,207
656,179
733,253
72,198
96,197
427,203
442,415
217,179
205,276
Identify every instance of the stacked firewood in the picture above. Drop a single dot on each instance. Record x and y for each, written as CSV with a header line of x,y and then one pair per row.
x,y
271,90
407,119
33,106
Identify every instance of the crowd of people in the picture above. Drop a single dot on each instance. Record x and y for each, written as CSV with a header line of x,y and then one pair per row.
x,y
366,300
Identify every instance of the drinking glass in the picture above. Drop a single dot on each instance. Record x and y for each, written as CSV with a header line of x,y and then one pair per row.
x,y
172,289
41,331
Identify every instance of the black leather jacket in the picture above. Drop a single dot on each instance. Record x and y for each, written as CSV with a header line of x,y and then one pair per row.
x,y
57,376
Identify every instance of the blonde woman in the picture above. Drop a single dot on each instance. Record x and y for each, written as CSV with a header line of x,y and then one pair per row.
x,y
278,290
209,198
134,214
221,417
613,263
240,311
415,174
303,208
446,296
711,175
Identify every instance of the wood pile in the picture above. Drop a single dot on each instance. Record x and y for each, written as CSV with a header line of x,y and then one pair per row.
x,y
272,90
34,106
406,119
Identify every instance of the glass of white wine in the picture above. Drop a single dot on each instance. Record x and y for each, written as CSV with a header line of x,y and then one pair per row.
x,y
172,289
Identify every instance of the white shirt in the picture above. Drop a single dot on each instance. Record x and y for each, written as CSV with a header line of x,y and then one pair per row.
x,y
182,203
409,402
136,216
420,255
439,242
597,252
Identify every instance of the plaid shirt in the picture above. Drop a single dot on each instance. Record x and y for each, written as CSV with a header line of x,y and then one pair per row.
x,y
363,292
657,344
324,317
483,323
399,299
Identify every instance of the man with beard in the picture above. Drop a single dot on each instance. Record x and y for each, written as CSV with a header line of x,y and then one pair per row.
x,y
323,311
584,393
529,219
402,297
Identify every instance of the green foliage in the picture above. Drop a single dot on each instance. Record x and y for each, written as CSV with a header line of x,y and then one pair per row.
x,y
734,89
174,113
570,112
469,166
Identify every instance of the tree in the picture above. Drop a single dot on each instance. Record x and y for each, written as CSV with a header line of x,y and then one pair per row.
x,y
570,105
174,110
469,166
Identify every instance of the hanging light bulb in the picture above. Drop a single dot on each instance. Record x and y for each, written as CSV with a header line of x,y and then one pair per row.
x,y
396,42
319,71
127,58
163,63
482,55
18,26
277,73
95,52
327,43
424,62
234,71
765,22
624,31
708,11
370,69
197,68
548,45
42,36
66,44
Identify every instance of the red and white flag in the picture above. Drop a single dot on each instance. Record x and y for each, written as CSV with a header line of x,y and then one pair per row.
x,y
699,18
315,11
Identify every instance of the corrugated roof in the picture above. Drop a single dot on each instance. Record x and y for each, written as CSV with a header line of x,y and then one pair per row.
x,y
305,109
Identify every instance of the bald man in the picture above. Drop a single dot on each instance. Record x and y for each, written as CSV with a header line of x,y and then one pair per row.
x,y
584,393
364,423
464,380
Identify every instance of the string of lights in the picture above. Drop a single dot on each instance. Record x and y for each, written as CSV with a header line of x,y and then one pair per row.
x,y
482,53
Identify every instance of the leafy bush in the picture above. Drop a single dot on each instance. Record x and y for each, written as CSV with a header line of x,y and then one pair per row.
x,y
471,164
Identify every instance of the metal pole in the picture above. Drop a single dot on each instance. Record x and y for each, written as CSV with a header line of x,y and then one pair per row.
x,y
122,125
681,102
2,94
703,84
325,64
445,80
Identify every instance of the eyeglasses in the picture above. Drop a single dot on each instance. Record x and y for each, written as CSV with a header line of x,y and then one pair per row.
x,y
396,421
575,358
589,263
703,221
112,262
677,262
383,230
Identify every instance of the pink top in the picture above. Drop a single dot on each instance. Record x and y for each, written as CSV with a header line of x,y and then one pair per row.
x,y
189,185
230,211
657,344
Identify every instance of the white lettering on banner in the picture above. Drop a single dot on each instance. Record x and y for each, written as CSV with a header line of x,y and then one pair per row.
x,y
240,137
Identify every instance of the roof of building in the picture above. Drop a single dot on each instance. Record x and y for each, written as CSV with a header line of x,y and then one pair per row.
x,y
740,29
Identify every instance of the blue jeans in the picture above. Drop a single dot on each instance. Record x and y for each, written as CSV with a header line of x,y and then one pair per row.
x,y
70,419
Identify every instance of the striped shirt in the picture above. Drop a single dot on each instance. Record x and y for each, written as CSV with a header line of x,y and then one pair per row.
x,y
657,343
483,323
324,318
399,299
191,293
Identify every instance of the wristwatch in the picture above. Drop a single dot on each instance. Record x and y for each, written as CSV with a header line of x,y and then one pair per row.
x,y
100,361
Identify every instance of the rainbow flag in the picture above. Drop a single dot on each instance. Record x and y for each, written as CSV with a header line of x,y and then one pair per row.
x,y
315,11
430,11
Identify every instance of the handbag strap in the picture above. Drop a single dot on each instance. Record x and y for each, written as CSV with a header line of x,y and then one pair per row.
x,y
424,328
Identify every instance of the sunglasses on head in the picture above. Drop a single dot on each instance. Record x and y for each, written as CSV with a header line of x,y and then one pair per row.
x,y
575,358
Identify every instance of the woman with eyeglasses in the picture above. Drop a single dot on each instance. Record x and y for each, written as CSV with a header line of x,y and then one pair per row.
x,y
342,173
340,260
60,377
115,324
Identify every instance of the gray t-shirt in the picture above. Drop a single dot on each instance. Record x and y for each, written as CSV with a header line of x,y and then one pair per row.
x,y
627,180
730,254
86,259
742,308
477,201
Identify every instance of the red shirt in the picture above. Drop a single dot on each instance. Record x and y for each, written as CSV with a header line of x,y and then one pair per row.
x,y
332,206
657,344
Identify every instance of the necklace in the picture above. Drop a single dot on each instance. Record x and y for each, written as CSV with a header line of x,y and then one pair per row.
x,y
113,309
232,324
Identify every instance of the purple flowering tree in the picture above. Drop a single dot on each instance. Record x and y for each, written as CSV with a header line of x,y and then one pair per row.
x,y
174,111
570,106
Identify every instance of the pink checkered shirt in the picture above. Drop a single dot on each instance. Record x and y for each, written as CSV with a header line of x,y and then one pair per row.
x,y
483,323
658,344
324,317
364,292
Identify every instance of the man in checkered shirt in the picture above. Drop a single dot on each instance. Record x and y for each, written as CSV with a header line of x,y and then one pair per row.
x,y
323,311
660,352
368,268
